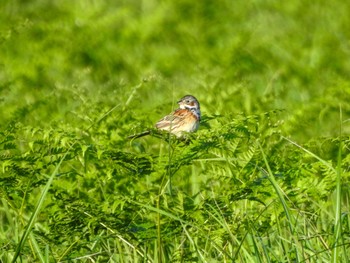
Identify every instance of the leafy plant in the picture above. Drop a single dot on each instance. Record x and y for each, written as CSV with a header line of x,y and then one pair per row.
x,y
265,179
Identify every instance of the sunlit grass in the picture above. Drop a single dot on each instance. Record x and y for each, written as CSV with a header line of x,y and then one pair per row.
x,y
265,179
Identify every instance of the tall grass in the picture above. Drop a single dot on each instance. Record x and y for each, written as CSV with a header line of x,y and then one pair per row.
x,y
265,179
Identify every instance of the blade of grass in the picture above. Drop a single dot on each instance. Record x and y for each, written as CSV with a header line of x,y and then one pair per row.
x,y
251,241
337,219
41,256
290,219
193,243
278,190
38,208
311,153
240,246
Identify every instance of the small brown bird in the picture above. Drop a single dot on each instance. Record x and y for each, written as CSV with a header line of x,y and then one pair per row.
x,y
184,119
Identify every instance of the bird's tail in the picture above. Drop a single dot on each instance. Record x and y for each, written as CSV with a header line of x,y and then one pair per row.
x,y
138,135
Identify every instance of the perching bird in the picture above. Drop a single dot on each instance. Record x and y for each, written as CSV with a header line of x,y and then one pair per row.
x,y
184,119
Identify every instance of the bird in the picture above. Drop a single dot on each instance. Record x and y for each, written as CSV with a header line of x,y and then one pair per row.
x,y
183,120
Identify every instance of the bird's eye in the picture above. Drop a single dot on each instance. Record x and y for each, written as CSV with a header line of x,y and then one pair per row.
x,y
187,101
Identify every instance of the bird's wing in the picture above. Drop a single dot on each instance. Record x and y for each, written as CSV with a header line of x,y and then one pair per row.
x,y
172,119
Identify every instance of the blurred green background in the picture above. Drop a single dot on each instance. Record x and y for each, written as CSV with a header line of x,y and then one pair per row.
x,y
78,77
57,58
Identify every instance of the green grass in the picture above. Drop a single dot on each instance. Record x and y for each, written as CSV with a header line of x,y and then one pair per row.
x,y
265,178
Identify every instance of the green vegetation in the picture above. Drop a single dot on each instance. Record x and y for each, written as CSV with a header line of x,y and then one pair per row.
x,y
266,177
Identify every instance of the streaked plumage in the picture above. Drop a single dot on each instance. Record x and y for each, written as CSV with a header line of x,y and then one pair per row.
x,y
185,119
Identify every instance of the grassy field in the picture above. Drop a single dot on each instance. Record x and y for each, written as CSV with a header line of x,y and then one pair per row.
x,y
265,178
